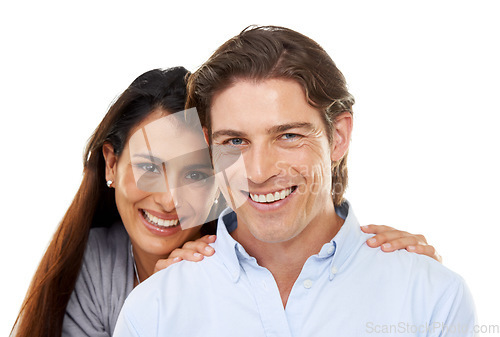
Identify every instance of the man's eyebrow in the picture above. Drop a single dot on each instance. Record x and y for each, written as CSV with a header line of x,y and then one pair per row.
x,y
229,133
275,129
285,127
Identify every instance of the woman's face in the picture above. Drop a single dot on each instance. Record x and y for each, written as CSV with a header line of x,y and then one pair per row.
x,y
163,180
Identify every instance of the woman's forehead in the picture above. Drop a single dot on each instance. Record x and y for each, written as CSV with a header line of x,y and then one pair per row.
x,y
169,136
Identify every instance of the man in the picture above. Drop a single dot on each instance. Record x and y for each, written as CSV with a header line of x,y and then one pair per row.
x,y
291,259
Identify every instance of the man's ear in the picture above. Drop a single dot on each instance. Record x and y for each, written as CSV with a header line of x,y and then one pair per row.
x,y
341,136
111,161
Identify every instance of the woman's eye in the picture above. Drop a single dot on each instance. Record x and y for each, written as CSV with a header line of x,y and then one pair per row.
x,y
149,167
196,176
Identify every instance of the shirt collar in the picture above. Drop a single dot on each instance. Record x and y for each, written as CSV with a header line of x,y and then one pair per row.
x,y
344,244
348,239
225,245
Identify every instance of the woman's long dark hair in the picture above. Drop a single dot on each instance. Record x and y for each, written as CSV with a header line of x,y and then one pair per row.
x,y
94,205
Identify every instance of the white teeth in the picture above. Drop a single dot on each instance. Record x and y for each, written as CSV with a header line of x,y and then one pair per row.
x,y
283,194
270,197
159,222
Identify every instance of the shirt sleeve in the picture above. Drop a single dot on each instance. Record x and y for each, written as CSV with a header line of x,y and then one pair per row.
x,y
455,314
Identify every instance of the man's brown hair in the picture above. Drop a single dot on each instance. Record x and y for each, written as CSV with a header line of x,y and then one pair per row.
x,y
260,53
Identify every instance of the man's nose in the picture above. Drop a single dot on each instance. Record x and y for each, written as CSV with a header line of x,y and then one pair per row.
x,y
260,163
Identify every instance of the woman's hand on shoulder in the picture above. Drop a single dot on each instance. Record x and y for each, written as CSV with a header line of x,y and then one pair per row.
x,y
191,251
390,239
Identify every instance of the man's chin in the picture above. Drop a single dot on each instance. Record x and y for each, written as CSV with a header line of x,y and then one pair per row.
x,y
271,234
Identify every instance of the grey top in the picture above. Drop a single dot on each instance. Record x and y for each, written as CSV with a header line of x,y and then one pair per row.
x,y
106,278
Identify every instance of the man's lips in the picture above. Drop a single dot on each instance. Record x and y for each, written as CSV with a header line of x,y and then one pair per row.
x,y
270,197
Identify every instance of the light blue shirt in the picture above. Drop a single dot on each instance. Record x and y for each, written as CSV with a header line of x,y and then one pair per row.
x,y
348,289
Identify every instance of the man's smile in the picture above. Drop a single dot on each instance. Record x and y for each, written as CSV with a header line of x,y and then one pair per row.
x,y
272,196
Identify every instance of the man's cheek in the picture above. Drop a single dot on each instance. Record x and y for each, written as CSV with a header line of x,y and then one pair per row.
x,y
231,181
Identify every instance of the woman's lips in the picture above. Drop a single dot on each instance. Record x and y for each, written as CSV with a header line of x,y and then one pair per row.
x,y
159,215
159,226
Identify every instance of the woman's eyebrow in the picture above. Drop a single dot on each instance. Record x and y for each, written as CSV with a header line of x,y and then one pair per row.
x,y
204,164
199,166
149,157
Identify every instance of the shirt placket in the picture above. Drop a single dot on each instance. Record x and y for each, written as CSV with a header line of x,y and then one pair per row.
x,y
268,300
307,288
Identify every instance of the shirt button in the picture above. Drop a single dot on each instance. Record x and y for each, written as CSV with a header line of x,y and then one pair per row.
x,y
334,270
308,284
330,250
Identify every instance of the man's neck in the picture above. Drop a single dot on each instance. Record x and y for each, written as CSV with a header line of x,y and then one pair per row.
x,y
286,259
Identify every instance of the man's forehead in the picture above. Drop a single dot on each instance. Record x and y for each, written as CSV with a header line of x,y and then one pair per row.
x,y
248,109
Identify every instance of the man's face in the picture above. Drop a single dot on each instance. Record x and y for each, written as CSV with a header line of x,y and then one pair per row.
x,y
284,184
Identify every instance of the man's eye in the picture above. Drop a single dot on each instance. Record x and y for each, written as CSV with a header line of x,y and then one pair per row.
x,y
149,167
290,136
196,176
235,141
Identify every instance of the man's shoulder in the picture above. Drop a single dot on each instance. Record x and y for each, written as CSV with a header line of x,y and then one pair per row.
x,y
183,276
179,287
408,268
418,285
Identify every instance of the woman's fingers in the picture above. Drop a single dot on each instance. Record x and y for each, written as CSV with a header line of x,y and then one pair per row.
x,y
390,239
375,229
200,246
164,263
190,251
177,255
428,250
207,238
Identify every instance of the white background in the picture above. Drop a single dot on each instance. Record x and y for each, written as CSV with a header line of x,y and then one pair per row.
x,y
424,154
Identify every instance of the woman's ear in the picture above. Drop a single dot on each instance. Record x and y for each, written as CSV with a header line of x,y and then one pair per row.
x,y
341,136
111,161
205,133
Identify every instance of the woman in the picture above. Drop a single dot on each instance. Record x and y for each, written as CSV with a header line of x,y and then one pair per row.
x,y
126,221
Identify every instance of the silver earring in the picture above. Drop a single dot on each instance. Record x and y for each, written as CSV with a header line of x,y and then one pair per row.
x,y
216,201
109,182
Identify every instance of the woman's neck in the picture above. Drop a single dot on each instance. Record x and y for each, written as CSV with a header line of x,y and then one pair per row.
x,y
144,265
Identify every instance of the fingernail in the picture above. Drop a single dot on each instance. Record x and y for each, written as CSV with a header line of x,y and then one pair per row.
x,y
386,245
364,227
411,248
212,237
372,240
197,255
177,259
209,249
